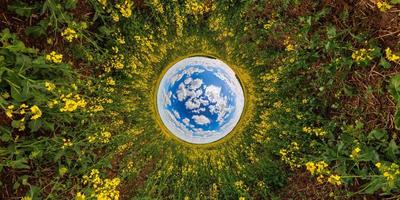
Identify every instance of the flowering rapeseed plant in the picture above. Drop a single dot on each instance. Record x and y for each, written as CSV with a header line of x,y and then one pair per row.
x,y
69,34
54,57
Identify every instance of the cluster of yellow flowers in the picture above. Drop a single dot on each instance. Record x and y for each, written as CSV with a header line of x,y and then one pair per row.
x,y
54,57
35,111
240,186
49,86
66,143
104,189
319,132
69,34
116,62
72,102
390,171
383,6
289,45
196,8
321,170
362,55
103,137
125,8
270,79
157,4
391,56
216,22
103,3
269,24
355,153
180,20
289,155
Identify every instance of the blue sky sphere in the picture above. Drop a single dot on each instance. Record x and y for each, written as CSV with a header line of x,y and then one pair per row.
x,y
200,100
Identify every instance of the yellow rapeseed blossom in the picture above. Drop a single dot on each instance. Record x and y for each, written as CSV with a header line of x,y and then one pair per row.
x,y
105,136
289,45
110,81
197,8
36,112
80,196
378,165
69,34
54,57
125,8
103,3
311,167
26,198
22,109
335,180
66,143
49,86
115,16
383,6
391,56
321,167
70,105
9,111
104,189
268,25
362,55
355,153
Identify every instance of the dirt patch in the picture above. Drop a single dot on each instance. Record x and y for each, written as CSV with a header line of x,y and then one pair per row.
x,y
131,187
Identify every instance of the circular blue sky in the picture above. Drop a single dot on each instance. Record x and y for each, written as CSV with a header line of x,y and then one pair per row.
x,y
200,100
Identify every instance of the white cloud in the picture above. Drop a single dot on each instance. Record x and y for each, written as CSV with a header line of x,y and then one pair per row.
x,y
186,121
196,84
201,119
176,114
192,103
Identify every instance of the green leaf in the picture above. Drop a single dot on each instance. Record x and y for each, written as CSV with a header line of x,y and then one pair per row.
x,y
392,150
70,4
374,186
384,63
378,134
394,87
19,164
395,1
35,125
21,8
35,31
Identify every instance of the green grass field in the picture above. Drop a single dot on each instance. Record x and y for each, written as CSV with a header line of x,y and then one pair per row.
x,y
78,83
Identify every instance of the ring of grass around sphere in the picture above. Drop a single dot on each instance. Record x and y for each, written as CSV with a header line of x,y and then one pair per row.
x,y
246,115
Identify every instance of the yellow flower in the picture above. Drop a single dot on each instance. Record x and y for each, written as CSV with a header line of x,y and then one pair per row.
x,y
362,55
36,112
70,105
54,57
110,81
310,167
105,136
49,86
355,153
26,198
383,6
62,171
378,165
80,196
335,180
126,8
115,17
69,34
9,111
391,56
66,143
321,165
